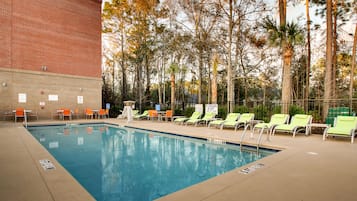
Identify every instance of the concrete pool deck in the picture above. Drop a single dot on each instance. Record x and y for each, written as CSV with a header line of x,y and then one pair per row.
x,y
307,168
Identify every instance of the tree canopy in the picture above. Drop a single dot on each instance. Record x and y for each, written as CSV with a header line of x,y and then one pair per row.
x,y
223,51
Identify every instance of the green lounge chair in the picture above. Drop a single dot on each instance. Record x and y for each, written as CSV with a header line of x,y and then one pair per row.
x,y
345,126
230,117
144,115
243,120
298,123
275,120
209,116
135,112
195,115
333,112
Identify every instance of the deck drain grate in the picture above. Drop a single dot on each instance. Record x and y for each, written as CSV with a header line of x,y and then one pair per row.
x,y
47,164
251,168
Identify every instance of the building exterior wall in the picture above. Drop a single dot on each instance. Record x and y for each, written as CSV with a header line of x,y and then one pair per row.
x,y
50,48
39,86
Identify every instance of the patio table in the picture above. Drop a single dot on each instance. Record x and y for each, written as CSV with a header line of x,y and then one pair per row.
x,y
317,125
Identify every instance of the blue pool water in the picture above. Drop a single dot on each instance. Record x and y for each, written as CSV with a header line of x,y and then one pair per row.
x,y
115,163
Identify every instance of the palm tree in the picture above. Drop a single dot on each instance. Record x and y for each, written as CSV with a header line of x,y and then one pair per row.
x,y
291,35
173,69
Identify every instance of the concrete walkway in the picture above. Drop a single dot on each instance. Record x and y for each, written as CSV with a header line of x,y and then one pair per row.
x,y
307,168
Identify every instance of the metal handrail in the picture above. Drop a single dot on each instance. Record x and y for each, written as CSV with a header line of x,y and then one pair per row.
x,y
25,119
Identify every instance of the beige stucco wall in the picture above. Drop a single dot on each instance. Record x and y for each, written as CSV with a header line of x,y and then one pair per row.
x,y
39,85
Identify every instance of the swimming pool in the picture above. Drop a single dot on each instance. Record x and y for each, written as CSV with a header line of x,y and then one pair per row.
x,y
115,163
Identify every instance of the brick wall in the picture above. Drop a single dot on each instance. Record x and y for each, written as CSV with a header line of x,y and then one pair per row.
x,y
50,47
5,33
63,35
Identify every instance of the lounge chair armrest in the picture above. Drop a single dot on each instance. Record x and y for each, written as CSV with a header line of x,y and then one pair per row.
x,y
175,117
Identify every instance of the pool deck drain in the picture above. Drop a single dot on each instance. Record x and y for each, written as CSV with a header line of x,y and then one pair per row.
x,y
307,168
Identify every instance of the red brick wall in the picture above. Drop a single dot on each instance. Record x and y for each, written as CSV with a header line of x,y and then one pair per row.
x,y
63,35
5,33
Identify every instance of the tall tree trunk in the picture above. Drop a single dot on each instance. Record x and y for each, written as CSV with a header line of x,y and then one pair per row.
x,y
200,74
353,65
238,57
230,86
334,50
124,89
138,81
113,75
214,79
246,97
148,80
172,80
286,82
209,84
328,70
308,58
159,75
164,82
286,88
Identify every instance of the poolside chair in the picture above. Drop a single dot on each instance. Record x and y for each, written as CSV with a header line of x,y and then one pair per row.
x,y
168,115
153,114
107,113
195,115
89,113
102,113
144,115
243,120
67,113
275,120
230,117
299,122
344,126
19,113
135,112
209,116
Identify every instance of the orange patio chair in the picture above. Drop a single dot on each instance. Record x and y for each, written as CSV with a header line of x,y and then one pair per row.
x,y
107,112
67,113
153,114
89,113
102,113
19,113
168,115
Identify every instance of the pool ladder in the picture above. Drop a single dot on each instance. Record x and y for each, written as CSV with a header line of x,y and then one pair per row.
x,y
251,135
25,119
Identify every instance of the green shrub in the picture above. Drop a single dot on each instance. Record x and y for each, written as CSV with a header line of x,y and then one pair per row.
x,y
294,109
315,115
178,112
188,111
261,113
114,111
241,109
222,112
276,109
